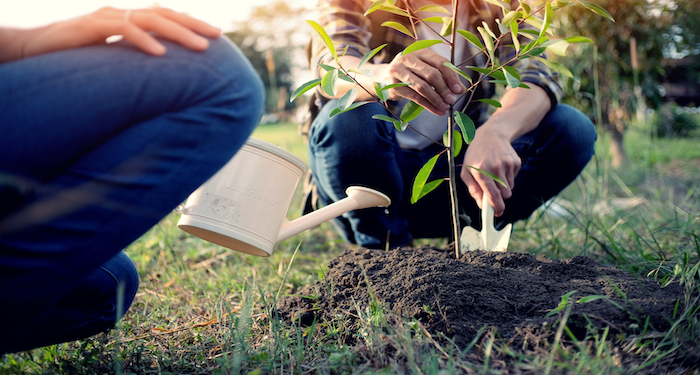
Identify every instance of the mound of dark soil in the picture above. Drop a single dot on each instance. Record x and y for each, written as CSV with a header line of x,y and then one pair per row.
x,y
511,292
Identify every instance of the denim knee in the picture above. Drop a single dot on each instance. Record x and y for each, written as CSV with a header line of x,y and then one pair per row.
x,y
575,131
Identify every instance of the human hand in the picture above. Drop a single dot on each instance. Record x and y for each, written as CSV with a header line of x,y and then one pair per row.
x,y
433,85
134,25
492,152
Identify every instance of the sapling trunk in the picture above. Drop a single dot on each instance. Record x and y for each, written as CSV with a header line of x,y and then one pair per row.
x,y
454,198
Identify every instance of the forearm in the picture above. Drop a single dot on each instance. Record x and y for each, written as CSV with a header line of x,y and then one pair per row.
x,y
521,111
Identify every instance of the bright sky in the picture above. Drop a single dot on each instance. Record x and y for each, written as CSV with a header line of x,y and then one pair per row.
x,y
220,13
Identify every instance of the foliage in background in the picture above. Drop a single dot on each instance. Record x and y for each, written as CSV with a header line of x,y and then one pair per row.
x,y
672,121
275,52
662,29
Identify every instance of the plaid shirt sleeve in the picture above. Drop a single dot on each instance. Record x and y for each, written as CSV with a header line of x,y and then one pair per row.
x,y
346,25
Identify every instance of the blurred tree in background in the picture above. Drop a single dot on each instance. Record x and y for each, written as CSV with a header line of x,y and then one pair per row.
x,y
273,39
620,74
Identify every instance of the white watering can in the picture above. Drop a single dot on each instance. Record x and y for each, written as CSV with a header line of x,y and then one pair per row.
x,y
244,206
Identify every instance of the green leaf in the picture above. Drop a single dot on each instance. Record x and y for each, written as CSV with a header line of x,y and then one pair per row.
x,y
398,124
304,88
378,90
459,71
578,39
491,175
499,3
420,45
329,82
456,138
427,188
556,46
511,16
488,29
384,118
394,85
466,124
535,22
420,189
374,6
514,35
326,67
338,111
410,111
559,68
346,100
492,102
488,42
346,78
395,10
459,142
434,8
562,305
530,34
368,56
512,76
364,72
479,70
324,36
547,18
446,26
597,9
473,39
498,74
435,19
505,83
588,299
397,26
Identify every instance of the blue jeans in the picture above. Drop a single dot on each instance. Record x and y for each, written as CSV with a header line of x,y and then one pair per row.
x,y
354,149
98,144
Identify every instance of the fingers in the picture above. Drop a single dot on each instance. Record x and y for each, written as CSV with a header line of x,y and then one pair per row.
x,y
479,183
165,23
171,25
433,85
138,25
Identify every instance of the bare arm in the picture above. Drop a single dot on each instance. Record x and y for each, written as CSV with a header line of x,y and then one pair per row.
x,y
522,110
95,27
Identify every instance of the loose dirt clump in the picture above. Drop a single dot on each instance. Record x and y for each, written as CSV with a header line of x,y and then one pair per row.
x,y
511,292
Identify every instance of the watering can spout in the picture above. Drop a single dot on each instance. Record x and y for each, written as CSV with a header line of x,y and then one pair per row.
x,y
357,198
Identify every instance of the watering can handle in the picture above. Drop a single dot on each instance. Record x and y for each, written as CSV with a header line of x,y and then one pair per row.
x,y
357,198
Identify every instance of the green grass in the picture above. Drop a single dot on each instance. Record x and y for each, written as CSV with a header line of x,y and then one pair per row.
x,y
204,309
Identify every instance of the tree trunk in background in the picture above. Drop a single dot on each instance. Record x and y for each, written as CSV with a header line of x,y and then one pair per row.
x,y
616,128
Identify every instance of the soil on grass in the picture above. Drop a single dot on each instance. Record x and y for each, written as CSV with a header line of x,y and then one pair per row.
x,y
509,292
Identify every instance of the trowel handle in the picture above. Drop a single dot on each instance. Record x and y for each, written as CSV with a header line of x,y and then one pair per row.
x,y
488,232
487,213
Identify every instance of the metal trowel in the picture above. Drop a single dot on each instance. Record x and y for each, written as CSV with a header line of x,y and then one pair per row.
x,y
489,239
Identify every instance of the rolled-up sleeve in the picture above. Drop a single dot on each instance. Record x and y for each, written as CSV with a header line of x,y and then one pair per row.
x,y
347,27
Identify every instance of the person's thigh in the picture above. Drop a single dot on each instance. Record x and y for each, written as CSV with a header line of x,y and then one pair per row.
x,y
58,107
354,149
113,161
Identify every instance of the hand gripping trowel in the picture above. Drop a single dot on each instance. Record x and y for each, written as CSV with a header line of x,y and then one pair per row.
x,y
489,239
